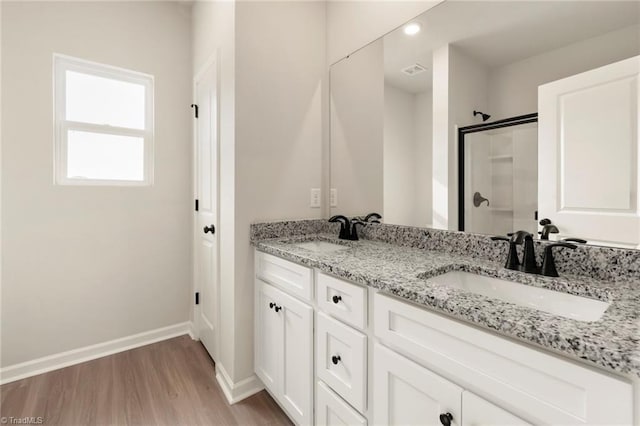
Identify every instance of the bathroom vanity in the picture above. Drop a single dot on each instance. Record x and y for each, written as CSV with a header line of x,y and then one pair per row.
x,y
371,332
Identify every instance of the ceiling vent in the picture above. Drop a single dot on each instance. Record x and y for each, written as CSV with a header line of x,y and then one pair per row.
x,y
414,69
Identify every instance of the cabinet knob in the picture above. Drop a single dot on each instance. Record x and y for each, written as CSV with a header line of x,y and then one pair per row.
x,y
271,305
337,299
335,359
445,419
278,308
210,228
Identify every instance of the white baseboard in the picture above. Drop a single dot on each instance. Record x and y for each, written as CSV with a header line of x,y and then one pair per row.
x,y
193,333
37,366
236,392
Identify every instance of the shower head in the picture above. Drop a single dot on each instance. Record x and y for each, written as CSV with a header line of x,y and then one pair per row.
x,y
485,117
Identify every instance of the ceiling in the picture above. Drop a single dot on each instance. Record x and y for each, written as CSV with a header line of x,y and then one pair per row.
x,y
497,33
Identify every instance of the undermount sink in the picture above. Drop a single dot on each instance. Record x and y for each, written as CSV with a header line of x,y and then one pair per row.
x,y
321,246
553,302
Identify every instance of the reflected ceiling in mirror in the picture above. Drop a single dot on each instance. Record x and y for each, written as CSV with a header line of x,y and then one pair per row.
x,y
397,103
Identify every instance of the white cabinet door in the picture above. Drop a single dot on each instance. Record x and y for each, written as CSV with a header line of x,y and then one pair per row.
x,y
406,393
479,412
284,350
588,154
331,410
297,359
268,350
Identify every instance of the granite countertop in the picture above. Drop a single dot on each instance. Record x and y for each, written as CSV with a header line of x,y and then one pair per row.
x,y
612,342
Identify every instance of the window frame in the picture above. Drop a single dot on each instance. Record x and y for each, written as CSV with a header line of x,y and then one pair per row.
x,y
62,64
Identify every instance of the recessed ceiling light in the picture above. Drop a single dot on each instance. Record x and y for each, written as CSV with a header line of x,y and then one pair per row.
x,y
412,28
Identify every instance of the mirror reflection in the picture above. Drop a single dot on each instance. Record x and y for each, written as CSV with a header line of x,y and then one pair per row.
x,y
399,104
498,176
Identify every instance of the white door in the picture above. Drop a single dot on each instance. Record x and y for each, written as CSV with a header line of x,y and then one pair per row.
x,y
268,329
297,359
479,412
206,186
588,154
406,393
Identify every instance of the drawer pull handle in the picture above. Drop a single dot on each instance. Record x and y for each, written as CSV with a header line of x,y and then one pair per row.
x,y
271,305
445,419
278,308
335,359
337,299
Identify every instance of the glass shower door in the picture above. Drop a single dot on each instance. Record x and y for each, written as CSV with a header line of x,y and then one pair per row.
x,y
501,179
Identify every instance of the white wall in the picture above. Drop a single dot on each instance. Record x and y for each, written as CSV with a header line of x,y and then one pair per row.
x,y
440,140
513,88
468,82
357,122
280,72
353,24
272,84
83,265
423,159
460,87
399,173
407,157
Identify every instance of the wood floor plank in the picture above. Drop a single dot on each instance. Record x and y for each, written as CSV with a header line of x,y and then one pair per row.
x,y
167,383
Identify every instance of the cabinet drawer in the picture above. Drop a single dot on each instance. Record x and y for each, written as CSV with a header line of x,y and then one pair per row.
x,y
341,360
291,277
477,412
343,300
528,382
331,410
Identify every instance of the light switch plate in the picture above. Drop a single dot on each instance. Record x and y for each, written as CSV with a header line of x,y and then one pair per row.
x,y
314,202
333,198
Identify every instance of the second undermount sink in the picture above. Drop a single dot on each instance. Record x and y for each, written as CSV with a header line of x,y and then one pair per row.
x,y
321,246
553,302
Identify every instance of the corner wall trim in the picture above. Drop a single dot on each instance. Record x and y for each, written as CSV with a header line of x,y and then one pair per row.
x,y
236,392
37,366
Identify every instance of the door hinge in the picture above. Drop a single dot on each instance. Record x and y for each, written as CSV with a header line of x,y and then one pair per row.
x,y
196,109
196,205
197,297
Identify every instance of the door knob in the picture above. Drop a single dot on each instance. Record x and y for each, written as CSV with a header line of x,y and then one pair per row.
x,y
210,228
445,419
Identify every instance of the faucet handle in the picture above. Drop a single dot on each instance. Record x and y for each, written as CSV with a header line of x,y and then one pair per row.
x,y
548,263
575,240
520,237
376,217
512,257
547,229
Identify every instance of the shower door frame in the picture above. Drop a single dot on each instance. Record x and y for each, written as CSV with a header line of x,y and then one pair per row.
x,y
462,131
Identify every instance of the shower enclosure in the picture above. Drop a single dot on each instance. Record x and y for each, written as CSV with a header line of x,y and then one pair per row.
x,y
498,176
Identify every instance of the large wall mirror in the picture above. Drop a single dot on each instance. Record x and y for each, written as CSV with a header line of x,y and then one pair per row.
x,y
490,116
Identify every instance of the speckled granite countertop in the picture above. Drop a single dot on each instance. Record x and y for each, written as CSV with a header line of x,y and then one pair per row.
x,y
613,342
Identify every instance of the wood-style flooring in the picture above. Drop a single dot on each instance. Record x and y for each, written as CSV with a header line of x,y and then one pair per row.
x,y
166,383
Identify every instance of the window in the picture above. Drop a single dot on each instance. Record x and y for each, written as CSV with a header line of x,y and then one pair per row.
x,y
103,124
